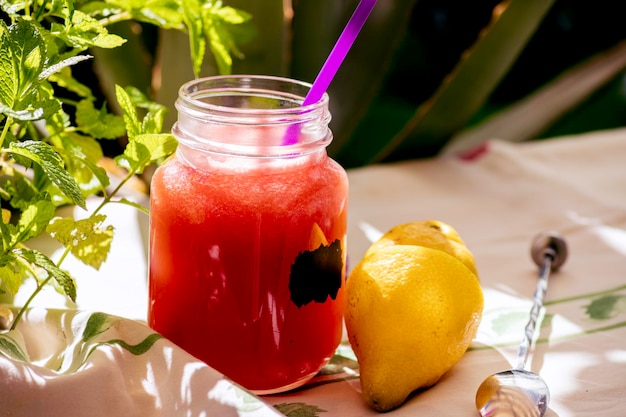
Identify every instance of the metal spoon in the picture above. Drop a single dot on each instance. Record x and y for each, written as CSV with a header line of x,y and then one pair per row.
x,y
518,392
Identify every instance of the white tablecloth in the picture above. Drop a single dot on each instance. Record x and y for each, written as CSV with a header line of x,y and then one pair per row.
x,y
498,200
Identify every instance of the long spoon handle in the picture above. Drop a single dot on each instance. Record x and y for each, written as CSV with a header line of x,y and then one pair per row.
x,y
540,292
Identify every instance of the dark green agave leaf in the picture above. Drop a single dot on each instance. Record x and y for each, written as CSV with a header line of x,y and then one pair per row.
x,y
467,88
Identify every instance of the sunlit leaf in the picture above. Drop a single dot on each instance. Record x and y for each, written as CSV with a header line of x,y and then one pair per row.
x,y
99,123
87,239
63,279
52,164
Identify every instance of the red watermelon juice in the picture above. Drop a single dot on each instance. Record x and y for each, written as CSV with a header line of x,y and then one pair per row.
x,y
247,253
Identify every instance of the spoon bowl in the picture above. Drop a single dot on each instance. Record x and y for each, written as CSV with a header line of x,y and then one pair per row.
x,y
514,393
518,392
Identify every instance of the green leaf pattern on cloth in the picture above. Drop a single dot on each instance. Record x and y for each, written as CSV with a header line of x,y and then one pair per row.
x,y
71,363
299,410
97,332
599,311
11,348
607,306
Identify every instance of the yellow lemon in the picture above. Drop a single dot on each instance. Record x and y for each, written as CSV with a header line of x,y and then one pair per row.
x,y
433,234
411,313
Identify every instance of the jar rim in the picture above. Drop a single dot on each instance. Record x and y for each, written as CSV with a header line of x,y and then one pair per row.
x,y
196,95
264,115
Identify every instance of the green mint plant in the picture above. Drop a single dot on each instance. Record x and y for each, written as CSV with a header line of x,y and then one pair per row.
x,y
51,127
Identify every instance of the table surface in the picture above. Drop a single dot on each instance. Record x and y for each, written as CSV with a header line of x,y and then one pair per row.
x,y
498,200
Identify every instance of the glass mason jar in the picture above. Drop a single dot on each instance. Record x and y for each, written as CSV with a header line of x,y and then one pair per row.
x,y
248,232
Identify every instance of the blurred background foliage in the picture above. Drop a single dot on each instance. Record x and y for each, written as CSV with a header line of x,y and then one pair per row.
x,y
425,77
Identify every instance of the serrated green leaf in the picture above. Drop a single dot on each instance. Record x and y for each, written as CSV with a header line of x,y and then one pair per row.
x,y
145,149
231,15
64,79
6,216
62,278
53,69
35,110
153,121
95,250
83,153
195,27
132,204
88,240
21,190
28,50
82,146
218,42
33,221
52,165
163,13
98,123
133,126
8,231
56,7
101,8
22,57
10,277
82,31
217,21
139,99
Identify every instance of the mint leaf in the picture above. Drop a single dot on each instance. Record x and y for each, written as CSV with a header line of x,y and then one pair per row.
x,y
10,276
197,42
27,52
231,15
22,59
219,46
52,165
21,191
144,149
64,79
37,110
53,69
82,154
88,240
83,31
98,9
98,123
6,216
64,280
219,21
8,231
133,126
145,146
33,221
215,26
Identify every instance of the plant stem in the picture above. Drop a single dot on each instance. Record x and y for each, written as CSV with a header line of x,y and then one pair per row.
x,y
5,130
40,10
107,199
40,286
115,18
